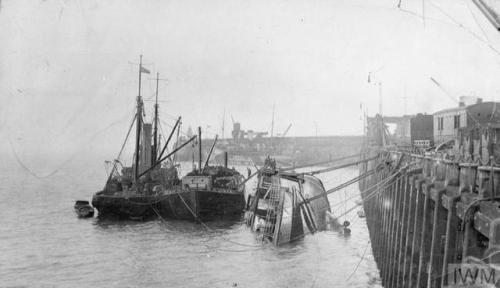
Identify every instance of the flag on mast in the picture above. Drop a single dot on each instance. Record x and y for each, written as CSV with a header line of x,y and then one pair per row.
x,y
144,70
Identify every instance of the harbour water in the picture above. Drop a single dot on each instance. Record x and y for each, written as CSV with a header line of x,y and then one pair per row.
x,y
44,244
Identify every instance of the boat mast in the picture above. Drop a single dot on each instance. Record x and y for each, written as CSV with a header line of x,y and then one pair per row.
x,y
138,124
223,122
199,146
272,132
210,153
155,135
272,124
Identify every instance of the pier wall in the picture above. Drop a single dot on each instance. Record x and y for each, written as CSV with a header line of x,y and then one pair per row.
x,y
424,213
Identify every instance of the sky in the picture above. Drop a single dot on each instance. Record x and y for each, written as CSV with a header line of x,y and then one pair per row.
x,y
68,68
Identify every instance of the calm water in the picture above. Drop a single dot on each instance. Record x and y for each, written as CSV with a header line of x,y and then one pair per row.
x,y
44,244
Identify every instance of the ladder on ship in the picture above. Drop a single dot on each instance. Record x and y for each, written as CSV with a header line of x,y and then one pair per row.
x,y
265,183
263,186
273,210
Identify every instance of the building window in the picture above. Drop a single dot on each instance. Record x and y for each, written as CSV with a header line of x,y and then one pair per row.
x,y
440,123
456,121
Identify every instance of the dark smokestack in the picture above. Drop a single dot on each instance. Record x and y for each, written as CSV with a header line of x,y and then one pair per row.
x,y
225,159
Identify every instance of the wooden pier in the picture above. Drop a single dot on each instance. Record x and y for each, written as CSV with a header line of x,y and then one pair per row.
x,y
425,212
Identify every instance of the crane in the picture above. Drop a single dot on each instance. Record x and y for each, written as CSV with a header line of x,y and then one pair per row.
x,y
443,89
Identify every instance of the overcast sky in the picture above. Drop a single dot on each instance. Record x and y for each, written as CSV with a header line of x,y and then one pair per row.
x,y
68,73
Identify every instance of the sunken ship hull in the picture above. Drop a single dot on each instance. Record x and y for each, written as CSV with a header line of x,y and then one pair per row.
x,y
430,209
287,206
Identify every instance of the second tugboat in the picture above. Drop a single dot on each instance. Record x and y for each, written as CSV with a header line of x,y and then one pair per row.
x,y
206,192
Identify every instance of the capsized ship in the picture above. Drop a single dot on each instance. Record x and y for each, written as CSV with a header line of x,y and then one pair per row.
x,y
286,205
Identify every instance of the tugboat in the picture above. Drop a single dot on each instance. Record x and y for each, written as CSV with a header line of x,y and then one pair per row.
x,y
138,191
206,192
286,205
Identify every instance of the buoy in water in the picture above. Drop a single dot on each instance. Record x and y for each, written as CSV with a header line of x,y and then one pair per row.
x,y
346,230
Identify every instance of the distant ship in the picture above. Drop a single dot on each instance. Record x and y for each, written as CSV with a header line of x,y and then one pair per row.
x,y
249,148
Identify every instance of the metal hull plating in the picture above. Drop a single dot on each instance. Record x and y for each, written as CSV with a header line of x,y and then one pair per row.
x,y
174,203
132,206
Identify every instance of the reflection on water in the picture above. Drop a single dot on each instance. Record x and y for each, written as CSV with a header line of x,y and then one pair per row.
x,y
44,244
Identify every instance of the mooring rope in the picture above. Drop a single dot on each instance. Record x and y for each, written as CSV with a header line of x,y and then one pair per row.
x,y
343,185
206,226
126,137
350,182
165,222
360,260
329,169
117,159
322,162
373,194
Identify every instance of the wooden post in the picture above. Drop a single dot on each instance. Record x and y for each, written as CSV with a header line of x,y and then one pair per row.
x,y
402,230
412,204
423,239
393,242
392,215
435,256
451,236
417,231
